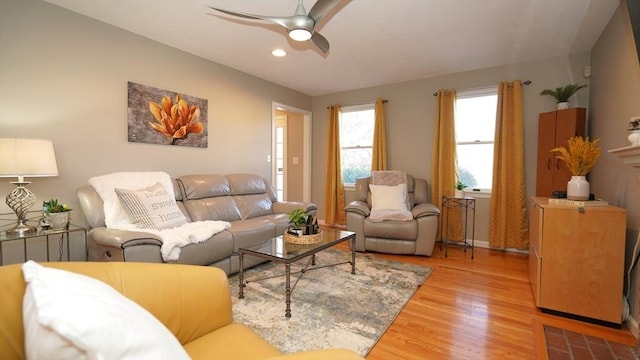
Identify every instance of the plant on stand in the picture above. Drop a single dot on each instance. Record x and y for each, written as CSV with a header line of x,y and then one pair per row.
x,y
460,186
580,156
562,94
56,214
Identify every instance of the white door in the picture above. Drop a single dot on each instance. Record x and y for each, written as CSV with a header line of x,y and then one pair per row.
x,y
281,157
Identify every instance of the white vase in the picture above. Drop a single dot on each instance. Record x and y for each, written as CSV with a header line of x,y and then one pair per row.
x,y
634,137
58,221
578,188
458,194
563,105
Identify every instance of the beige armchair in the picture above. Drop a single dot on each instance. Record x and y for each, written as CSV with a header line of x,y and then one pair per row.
x,y
415,236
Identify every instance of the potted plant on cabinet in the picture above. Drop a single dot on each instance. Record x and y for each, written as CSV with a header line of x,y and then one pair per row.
x,y
580,156
56,214
562,94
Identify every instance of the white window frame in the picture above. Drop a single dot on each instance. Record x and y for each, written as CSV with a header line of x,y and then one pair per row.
x,y
472,93
353,108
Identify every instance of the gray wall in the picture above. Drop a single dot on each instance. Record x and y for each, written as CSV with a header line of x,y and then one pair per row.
x,y
615,91
64,77
411,108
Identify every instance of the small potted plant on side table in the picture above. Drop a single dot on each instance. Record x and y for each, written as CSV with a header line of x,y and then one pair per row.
x,y
56,214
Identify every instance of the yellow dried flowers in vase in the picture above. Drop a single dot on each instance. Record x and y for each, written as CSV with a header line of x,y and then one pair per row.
x,y
580,156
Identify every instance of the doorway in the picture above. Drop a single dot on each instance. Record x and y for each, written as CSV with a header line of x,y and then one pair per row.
x,y
291,152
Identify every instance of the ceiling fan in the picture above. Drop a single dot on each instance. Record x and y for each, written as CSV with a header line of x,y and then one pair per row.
x,y
301,26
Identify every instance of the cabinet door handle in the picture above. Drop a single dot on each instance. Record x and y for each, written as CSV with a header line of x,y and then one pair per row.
x,y
549,164
558,164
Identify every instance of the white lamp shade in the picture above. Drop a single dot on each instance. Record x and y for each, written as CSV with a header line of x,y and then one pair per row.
x,y
27,157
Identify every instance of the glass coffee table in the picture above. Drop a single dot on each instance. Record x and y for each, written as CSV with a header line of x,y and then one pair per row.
x,y
281,252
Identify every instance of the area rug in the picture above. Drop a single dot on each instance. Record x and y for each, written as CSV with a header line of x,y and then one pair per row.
x,y
330,307
570,345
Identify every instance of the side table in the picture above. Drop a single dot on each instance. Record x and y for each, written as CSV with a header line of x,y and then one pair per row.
x,y
464,204
60,235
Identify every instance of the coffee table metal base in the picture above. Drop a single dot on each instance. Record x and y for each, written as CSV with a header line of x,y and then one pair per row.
x,y
287,266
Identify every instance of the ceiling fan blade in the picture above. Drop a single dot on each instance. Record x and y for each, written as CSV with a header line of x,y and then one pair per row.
x,y
320,41
285,22
321,8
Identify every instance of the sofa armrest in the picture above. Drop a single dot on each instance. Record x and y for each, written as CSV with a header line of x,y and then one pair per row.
x,y
425,209
122,238
334,354
359,207
285,207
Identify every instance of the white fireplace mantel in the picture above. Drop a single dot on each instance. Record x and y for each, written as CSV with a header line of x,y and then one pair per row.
x,y
630,155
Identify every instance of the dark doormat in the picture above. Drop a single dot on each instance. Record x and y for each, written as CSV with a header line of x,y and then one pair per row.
x,y
569,345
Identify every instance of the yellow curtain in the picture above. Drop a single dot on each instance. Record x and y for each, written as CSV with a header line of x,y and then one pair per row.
x,y
379,156
508,225
334,190
444,161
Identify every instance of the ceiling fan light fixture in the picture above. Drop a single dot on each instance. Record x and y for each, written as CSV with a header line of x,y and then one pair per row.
x,y
279,53
300,34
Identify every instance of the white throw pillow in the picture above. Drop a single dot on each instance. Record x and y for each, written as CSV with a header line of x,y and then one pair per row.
x,y
73,316
388,197
151,207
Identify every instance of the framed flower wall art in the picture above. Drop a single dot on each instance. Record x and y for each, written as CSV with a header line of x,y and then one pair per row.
x,y
156,116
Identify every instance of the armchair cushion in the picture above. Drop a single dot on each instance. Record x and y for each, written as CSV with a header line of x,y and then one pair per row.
x,y
388,197
76,316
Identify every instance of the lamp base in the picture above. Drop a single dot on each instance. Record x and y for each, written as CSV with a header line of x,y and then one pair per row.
x,y
22,230
20,200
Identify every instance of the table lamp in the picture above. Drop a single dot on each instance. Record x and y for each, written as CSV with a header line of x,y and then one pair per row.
x,y
25,158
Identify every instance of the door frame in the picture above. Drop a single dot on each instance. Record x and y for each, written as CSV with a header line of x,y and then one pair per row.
x,y
306,166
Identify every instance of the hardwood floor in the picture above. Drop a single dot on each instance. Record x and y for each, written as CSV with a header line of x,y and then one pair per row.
x,y
475,309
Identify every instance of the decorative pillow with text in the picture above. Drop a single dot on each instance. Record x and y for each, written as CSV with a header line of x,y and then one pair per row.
x,y
151,207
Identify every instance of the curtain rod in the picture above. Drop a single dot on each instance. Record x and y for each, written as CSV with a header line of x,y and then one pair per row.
x,y
526,82
384,101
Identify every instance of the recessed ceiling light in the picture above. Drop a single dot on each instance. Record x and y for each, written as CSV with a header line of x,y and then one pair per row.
x,y
279,53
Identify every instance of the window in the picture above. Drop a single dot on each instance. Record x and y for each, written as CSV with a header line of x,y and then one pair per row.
x,y
475,122
356,141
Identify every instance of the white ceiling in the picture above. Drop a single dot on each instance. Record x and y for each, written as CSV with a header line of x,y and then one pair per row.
x,y
373,42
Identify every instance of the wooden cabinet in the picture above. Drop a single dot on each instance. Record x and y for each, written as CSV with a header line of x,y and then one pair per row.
x,y
554,129
576,259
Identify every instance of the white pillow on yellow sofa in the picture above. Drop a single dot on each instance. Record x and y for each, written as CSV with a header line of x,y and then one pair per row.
x,y
73,316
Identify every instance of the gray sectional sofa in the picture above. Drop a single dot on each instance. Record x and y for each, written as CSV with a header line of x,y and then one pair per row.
x,y
247,201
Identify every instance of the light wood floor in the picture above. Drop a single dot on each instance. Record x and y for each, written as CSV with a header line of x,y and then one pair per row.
x,y
475,309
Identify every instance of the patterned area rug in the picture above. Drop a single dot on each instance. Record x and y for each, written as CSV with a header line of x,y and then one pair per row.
x,y
330,308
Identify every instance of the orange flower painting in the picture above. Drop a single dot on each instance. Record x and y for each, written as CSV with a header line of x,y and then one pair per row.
x,y
161,117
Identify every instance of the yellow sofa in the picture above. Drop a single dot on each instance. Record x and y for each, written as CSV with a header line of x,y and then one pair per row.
x,y
193,302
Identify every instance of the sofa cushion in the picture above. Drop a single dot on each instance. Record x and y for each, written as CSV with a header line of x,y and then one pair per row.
x,y
253,205
151,207
251,232
213,208
204,185
245,184
76,316
218,247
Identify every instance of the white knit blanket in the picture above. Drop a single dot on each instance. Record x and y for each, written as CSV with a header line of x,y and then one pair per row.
x,y
116,218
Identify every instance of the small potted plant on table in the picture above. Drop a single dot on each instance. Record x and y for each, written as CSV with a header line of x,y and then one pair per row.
x,y
56,214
